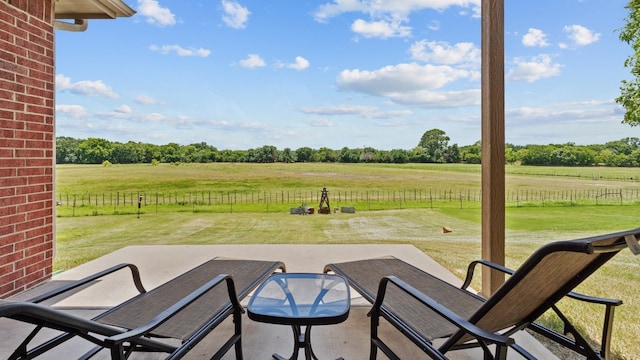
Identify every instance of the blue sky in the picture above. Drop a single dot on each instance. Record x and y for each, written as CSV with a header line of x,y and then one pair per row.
x,y
240,74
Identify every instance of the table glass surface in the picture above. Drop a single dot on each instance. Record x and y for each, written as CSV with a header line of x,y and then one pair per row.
x,y
300,295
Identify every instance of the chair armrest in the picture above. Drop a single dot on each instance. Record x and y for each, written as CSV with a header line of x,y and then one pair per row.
x,y
135,273
177,307
594,299
444,312
472,266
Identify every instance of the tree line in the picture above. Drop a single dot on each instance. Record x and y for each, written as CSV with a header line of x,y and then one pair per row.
x,y
433,147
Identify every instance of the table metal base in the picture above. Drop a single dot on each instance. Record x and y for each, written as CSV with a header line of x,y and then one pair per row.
x,y
301,340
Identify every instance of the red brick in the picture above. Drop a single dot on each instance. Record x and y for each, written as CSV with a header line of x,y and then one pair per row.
x,y
26,244
9,210
29,207
38,251
30,279
30,153
29,171
13,162
12,219
29,261
14,181
39,214
5,249
11,237
6,153
43,196
41,233
10,105
29,99
31,224
39,162
5,173
45,110
7,116
10,258
12,86
38,144
36,118
46,179
12,143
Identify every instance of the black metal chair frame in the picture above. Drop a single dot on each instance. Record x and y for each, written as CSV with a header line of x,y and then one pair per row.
x,y
473,331
124,342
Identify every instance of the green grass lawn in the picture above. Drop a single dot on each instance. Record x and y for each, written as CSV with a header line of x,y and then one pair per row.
x,y
83,238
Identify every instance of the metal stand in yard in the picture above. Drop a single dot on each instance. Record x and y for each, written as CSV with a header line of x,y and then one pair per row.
x,y
324,200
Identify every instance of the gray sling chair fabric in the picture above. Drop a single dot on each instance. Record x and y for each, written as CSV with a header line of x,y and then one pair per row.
x,y
186,308
425,308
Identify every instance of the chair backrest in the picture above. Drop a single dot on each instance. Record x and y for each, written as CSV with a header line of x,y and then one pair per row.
x,y
546,277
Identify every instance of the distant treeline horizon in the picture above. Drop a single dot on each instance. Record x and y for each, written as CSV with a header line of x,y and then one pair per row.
x,y
433,148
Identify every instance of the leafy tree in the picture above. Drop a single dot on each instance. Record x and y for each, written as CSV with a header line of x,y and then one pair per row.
x,y
419,155
170,153
472,154
325,154
630,89
453,154
94,151
267,154
398,156
66,150
349,155
304,154
288,156
435,142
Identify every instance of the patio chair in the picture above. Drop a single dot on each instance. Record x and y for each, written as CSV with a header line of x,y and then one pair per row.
x,y
425,308
186,308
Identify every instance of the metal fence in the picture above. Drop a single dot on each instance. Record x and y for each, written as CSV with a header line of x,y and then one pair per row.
x,y
297,197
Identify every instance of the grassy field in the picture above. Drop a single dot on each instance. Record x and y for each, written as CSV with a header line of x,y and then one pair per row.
x,y
83,238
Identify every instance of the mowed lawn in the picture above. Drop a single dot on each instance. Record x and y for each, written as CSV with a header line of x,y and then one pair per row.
x,y
83,238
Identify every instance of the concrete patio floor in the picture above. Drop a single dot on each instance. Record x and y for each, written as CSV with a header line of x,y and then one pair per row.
x,y
161,263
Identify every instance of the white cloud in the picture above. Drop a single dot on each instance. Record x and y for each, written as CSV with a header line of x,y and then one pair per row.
x,y
399,78
381,8
72,111
438,99
155,14
85,87
364,111
535,38
580,35
412,84
319,122
380,29
123,109
180,51
339,110
536,68
300,64
145,99
252,61
441,52
235,15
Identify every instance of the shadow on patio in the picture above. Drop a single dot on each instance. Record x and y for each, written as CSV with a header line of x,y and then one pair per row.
x,y
159,264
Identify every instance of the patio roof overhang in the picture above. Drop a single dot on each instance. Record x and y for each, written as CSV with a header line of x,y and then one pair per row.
x,y
92,9
81,11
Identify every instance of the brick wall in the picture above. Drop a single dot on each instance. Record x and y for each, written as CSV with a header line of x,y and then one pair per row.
x,y
27,144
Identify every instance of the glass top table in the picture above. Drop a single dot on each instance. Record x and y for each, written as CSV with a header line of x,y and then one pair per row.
x,y
301,299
